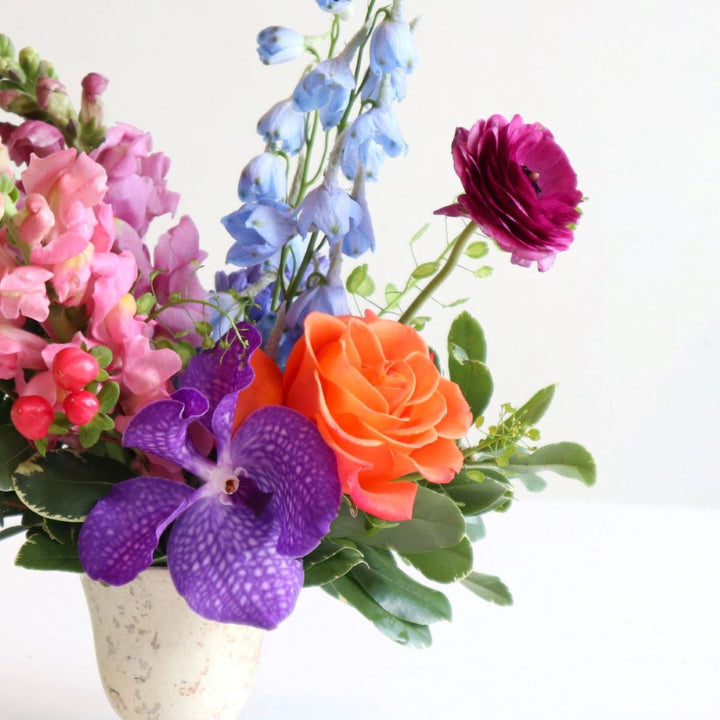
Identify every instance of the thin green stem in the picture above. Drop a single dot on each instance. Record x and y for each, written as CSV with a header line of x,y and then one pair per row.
x,y
458,246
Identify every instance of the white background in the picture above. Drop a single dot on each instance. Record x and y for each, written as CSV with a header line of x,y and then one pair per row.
x,y
627,321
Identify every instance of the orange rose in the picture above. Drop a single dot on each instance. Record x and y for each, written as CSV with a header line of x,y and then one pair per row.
x,y
380,403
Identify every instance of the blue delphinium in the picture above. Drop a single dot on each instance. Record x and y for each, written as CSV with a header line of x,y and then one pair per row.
x,y
284,127
326,88
263,178
328,209
392,45
371,87
372,135
267,498
334,6
361,236
279,44
260,229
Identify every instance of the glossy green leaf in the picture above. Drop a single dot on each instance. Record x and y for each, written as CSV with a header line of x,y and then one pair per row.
x,y
566,458
444,565
14,449
65,485
488,587
398,630
474,528
331,566
396,592
467,352
476,496
39,552
466,333
436,522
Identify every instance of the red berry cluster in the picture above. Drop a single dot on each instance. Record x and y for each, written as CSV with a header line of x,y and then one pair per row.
x,y
72,369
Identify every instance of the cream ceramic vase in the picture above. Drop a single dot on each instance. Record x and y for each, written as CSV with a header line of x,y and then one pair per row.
x,y
158,660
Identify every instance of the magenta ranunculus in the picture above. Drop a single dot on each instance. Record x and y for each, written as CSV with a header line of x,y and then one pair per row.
x,y
519,188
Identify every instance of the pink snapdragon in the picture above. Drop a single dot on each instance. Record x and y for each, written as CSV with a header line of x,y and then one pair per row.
x,y
23,293
19,349
136,177
33,137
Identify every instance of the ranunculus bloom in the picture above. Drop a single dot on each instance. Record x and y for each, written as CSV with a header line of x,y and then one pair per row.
x,y
380,403
519,188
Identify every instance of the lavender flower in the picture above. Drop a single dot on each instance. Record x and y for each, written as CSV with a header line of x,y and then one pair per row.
x,y
267,500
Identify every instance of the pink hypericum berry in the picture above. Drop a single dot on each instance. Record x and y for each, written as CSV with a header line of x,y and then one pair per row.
x,y
74,368
31,415
80,407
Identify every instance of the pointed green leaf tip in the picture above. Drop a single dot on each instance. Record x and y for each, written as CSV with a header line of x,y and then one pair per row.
x,y
565,458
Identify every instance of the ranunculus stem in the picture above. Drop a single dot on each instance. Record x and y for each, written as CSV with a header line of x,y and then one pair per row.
x,y
442,275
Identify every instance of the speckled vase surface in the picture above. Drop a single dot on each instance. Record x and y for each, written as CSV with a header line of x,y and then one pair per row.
x,y
158,660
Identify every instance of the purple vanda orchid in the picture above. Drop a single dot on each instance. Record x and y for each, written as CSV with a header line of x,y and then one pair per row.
x,y
236,541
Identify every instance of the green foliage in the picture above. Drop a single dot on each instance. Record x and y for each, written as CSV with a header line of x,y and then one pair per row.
x,y
488,587
39,552
65,485
444,565
566,458
467,352
359,282
476,492
14,449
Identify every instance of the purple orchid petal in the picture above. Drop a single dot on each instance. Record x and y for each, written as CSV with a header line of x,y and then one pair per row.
x,y
222,425
162,429
222,370
284,453
119,536
222,560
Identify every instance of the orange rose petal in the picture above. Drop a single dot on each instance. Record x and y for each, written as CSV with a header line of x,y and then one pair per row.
x,y
389,500
438,462
459,416
265,389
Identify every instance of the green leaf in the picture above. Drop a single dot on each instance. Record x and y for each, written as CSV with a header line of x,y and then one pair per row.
x,y
359,282
466,333
476,496
65,485
39,552
467,352
425,270
436,522
474,528
102,354
488,587
531,412
108,396
145,303
330,565
12,530
419,233
477,249
483,272
14,449
444,565
396,592
398,630
392,296
565,458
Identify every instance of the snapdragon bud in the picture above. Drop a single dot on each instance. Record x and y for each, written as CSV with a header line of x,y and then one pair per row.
x,y
29,60
91,107
53,98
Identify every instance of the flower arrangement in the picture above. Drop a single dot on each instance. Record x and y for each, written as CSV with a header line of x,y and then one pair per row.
x,y
261,437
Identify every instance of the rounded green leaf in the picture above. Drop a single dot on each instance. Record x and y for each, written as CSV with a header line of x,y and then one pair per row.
x,y
445,565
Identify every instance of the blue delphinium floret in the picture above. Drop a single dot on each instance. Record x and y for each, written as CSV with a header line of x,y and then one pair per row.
x,y
373,135
371,87
279,44
328,209
265,501
326,88
263,178
361,236
283,126
260,229
392,46
334,6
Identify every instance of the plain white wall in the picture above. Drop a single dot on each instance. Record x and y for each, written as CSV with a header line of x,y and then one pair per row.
x,y
627,321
